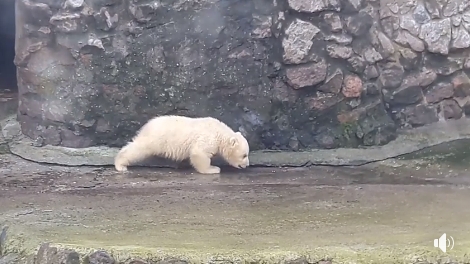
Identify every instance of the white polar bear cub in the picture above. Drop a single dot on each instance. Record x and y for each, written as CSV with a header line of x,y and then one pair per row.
x,y
180,137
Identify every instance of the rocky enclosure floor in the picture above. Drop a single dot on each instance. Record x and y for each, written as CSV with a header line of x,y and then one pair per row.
x,y
386,212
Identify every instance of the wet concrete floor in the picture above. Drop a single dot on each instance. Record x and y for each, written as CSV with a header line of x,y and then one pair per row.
x,y
380,212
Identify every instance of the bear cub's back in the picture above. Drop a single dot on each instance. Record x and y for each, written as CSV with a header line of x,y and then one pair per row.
x,y
181,128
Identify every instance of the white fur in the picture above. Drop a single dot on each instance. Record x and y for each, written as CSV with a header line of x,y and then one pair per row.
x,y
179,138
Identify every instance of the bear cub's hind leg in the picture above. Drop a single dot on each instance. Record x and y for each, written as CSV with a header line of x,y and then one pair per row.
x,y
202,163
129,154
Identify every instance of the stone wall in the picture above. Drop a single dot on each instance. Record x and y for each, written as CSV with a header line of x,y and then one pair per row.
x,y
290,74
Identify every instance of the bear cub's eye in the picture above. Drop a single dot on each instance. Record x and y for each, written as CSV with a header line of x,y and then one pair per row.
x,y
244,156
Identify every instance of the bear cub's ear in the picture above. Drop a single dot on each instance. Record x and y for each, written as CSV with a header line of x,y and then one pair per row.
x,y
233,141
242,133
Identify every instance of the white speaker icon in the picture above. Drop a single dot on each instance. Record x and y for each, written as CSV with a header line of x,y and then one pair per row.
x,y
443,243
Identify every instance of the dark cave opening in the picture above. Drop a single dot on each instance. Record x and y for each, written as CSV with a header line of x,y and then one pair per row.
x,y
8,81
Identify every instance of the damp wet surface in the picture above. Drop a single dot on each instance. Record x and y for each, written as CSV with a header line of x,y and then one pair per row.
x,y
456,153
21,175
331,209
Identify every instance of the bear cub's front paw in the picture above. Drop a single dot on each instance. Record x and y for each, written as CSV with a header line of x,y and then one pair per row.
x,y
211,170
121,168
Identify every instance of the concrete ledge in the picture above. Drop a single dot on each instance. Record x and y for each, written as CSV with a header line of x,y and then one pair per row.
x,y
49,253
407,142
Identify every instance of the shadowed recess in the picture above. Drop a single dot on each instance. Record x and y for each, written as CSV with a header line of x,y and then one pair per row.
x,y
7,47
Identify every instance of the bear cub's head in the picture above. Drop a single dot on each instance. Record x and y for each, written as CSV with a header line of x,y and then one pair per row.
x,y
238,150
